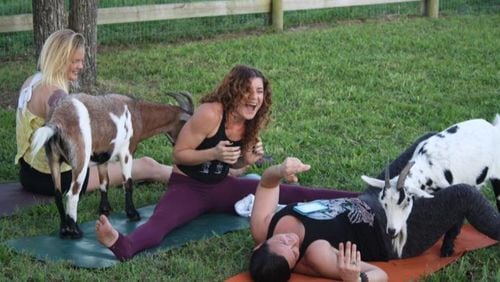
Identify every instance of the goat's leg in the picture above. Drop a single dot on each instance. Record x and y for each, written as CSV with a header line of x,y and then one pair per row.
x,y
54,160
104,206
56,178
132,213
495,183
448,246
71,229
80,147
79,164
126,163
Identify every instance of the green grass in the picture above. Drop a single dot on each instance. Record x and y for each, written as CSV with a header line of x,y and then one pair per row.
x,y
347,99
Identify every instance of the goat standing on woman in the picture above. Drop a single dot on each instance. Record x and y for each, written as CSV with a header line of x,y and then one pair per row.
x,y
83,128
465,153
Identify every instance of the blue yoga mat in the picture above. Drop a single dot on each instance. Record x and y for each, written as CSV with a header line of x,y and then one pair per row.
x,y
89,253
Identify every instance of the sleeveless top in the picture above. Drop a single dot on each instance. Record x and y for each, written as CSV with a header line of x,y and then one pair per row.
x,y
213,171
345,219
26,124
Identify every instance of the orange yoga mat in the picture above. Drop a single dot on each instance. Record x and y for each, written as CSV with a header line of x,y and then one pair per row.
x,y
412,268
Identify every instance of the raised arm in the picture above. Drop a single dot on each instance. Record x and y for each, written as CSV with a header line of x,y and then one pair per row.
x,y
267,195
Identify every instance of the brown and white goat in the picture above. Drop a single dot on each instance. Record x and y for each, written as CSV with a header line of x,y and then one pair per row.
x,y
83,130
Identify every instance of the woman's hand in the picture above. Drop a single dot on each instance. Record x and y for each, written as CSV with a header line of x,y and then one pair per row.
x,y
272,176
290,167
224,152
257,152
349,262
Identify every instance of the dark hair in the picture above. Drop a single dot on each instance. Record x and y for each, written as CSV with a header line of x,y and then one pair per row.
x,y
267,266
232,90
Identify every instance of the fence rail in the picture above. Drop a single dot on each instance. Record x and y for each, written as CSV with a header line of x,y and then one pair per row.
x,y
24,22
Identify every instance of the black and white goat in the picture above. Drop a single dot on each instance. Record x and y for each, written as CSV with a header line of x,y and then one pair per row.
x,y
396,205
430,218
83,130
465,153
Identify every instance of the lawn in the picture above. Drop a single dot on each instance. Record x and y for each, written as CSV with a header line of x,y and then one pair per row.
x,y
346,99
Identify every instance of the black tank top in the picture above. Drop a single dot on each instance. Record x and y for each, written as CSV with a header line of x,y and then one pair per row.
x,y
346,219
212,171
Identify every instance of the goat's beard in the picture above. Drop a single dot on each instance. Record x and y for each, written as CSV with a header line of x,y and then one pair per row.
x,y
399,242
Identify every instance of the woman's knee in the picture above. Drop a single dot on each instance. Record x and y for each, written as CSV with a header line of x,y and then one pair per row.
x,y
147,162
463,191
147,168
463,195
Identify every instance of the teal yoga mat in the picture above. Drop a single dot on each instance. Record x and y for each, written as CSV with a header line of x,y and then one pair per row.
x,y
89,253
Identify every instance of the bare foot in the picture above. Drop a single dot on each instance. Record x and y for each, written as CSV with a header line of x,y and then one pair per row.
x,y
105,232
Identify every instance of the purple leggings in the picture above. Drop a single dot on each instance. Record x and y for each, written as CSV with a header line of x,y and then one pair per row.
x,y
186,199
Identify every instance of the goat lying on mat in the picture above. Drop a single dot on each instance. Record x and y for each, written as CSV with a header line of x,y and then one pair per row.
x,y
465,153
83,128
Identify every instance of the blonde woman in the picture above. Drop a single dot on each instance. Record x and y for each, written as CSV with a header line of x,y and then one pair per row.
x,y
60,63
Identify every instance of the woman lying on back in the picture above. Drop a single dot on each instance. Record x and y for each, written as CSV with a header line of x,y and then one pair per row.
x,y
281,239
290,241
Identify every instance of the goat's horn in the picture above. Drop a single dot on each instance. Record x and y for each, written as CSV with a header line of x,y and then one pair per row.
x,y
387,179
184,99
190,107
404,174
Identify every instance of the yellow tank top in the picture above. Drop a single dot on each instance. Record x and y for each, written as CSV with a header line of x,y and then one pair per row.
x,y
26,124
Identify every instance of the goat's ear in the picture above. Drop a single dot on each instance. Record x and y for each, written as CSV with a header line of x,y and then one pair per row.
x,y
373,181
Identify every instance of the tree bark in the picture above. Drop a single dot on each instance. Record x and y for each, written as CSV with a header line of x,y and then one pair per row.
x,y
48,17
83,19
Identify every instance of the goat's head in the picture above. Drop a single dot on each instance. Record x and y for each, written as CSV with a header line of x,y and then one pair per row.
x,y
185,101
395,200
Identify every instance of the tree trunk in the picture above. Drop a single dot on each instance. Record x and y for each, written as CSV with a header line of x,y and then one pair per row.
x,y
83,19
48,17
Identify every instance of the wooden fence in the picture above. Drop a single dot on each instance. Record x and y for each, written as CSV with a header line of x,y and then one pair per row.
x,y
276,8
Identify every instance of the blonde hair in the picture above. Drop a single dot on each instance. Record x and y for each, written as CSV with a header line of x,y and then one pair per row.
x,y
56,56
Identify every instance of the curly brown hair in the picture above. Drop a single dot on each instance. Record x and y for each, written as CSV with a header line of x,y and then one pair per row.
x,y
232,90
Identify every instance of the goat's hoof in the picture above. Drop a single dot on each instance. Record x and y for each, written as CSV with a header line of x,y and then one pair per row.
x,y
70,230
133,216
106,210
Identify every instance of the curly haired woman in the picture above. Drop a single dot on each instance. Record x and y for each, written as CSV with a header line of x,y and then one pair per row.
x,y
222,134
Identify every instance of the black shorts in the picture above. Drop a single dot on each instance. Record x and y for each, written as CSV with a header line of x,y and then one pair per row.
x,y
41,183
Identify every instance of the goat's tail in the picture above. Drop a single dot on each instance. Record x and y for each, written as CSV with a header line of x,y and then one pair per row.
x,y
496,121
40,137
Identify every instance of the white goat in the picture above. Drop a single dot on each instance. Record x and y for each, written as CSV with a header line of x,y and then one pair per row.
x,y
465,153
84,129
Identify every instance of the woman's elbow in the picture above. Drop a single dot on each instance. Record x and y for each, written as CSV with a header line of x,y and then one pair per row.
x,y
176,157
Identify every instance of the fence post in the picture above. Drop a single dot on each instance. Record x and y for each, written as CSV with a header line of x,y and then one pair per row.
x,y
430,8
277,14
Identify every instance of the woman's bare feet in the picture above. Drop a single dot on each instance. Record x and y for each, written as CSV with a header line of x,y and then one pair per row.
x,y
105,232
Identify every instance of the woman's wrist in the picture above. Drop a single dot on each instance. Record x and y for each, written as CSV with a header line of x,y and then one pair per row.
x,y
272,176
240,163
363,277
